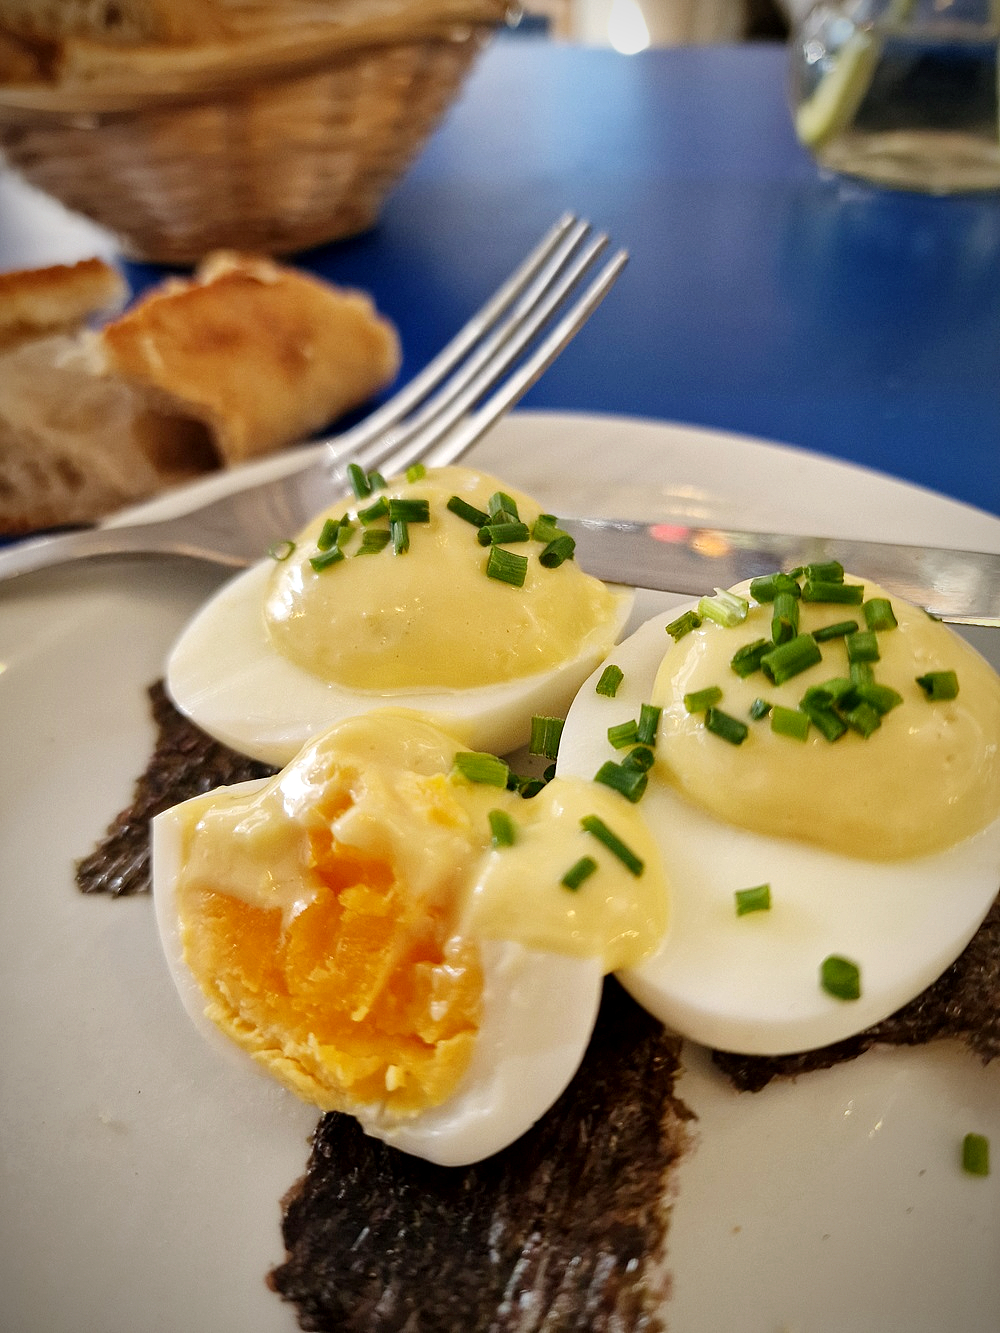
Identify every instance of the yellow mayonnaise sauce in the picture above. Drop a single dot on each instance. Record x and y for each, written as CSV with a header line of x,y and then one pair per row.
x,y
431,618
927,778
331,913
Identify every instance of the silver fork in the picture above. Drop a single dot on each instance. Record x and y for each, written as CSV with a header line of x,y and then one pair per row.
x,y
435,418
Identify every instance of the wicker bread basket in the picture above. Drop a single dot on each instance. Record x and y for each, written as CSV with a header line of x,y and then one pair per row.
x,y
271,144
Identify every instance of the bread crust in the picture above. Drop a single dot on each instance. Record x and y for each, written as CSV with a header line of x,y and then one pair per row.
x,y
38,302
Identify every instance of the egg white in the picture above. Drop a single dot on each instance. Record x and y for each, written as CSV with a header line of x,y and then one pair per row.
x,y
225,674
539,1010
750,984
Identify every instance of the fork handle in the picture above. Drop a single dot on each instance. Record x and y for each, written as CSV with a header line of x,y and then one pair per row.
x,y
25,557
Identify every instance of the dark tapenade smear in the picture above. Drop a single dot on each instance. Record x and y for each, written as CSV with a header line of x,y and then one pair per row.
x,y
563,1230
185,763
964,1002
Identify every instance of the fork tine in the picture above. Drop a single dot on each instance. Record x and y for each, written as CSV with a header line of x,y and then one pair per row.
x,y
440,441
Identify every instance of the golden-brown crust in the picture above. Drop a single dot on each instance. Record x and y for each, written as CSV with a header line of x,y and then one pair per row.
x,y
260,353
62,297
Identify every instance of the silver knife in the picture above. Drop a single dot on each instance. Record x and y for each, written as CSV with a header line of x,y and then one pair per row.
x,y
959,586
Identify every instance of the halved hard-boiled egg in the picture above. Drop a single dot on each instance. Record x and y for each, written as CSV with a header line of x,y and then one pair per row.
x,y
826,797
390,931
449,593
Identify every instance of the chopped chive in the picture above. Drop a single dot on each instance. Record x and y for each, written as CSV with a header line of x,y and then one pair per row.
x,y
557,551
623,734
725,726
757,899
360,484
545,528
326,558
759,709
374,511
828,723
281,550
766,588
477,517
788,659
976,1154
883,698
499,533
502,829
830,692
684,624
790,722
478,766
821,590
726,608
376,481
698,700
826,571
746,660
862,646
373,541
939,685
528,787
399,530
626,779
641,757
862,673
598,829
503,508
785,617
862,718
507,566
545,734
416,472
840,977
649,723
879,613
839,630
611,677
578,872
329,534
409,510
549,773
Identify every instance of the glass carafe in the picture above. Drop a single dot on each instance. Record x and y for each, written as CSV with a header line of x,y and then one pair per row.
x,y
901,92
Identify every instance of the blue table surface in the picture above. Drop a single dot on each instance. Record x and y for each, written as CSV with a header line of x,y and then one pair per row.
x,y
762,296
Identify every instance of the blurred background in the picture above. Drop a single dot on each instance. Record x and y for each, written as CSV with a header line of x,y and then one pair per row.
x,y
630,26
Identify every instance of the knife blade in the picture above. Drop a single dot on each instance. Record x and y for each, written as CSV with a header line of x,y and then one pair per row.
x,y
959,586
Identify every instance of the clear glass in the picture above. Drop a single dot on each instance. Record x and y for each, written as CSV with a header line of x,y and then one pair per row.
x,y
901,92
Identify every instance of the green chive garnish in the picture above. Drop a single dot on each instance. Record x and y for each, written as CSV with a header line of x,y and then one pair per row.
x,y
374,511
578,872
765,589
821,590
759,709
757,899
862,646
598,829
939,685
545,528
545,734
502,830
641,757
499,533
839,630
831,693
649,723
828,723
879,613
409,510
976,1154
477,517
725,726
477,766
784,618
862,718
507,566
683,625
862,673
840,977
557,551
373,541
329,533
827,571
883,698
788,659
281,550
360,484
623,734
326,558
726,608
416,472
626,779
611,677
790,722
503,508
376,481
698,700
399,530
746,660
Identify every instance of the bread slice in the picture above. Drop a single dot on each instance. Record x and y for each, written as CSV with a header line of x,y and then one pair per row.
x,y
41,301
261,354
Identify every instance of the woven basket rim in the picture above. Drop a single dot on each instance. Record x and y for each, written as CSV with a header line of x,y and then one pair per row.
x,y
186,73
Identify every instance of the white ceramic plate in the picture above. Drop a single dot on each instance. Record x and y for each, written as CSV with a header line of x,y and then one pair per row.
x,y
140,1176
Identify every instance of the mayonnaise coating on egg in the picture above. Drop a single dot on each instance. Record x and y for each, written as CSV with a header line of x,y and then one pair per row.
x,y
285,650
751,983
350,924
